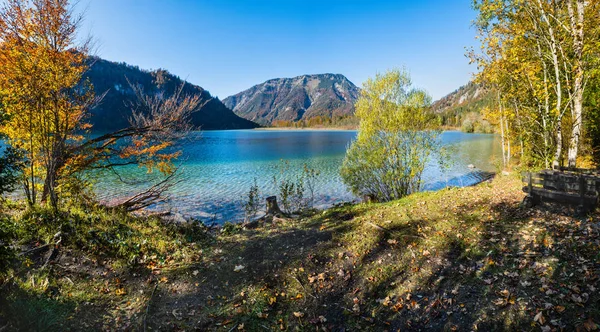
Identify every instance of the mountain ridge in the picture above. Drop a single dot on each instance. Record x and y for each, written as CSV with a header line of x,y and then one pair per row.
x,y
295,99
113,112
463,108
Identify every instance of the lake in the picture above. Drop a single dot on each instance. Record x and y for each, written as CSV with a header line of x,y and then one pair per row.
x,y
218,168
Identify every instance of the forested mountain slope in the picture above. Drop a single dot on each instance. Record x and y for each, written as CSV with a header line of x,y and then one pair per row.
x,y
114,110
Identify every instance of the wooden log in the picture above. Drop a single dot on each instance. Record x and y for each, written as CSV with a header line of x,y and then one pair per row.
x,y
272,206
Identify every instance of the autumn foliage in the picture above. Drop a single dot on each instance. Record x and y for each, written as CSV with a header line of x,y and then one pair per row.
x,y
539,58
47,102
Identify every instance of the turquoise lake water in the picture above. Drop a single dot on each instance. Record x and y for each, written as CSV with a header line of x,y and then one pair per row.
x,y
218,168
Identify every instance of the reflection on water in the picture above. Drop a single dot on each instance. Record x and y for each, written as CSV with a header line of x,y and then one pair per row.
x,y
220,166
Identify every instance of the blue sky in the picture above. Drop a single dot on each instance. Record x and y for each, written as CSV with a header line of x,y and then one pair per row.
x,y
227,46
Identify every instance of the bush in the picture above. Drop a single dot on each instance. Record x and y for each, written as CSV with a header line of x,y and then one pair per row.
x,y
467,126
484,127
296,195
7,236
252,204
388,166
395,138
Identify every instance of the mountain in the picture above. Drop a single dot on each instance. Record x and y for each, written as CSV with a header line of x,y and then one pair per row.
x,y
296,99
113,112
463,108
465,98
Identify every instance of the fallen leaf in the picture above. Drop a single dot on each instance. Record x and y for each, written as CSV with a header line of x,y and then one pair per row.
x,y
298,314
539,318
590,325
238,268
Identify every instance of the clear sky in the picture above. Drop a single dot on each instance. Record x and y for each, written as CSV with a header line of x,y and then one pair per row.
x,y
227,46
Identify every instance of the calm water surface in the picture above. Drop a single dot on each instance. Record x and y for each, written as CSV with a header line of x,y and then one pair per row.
x,y
218,167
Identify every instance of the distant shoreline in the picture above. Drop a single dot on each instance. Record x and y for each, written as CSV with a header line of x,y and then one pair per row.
x,y
307,128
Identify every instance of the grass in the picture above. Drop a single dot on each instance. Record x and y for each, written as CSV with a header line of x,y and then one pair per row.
x,y
456,259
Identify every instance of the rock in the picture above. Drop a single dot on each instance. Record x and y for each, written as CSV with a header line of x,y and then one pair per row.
x,y
251,225
471,166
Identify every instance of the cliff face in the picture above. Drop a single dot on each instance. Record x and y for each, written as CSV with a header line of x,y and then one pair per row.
x,y
113,112
470,97
295,99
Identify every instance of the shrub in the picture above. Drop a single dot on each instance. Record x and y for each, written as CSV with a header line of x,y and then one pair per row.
x,y
467,126
296,195
252,204
395,138
7,253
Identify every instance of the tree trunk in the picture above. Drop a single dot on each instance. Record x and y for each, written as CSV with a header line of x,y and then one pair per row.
x,y
577,20
273,207
554,51
502,135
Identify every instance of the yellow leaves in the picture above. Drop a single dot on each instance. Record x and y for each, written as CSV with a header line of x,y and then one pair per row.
x,y
298,314
272,300
319,277
506,299
120,291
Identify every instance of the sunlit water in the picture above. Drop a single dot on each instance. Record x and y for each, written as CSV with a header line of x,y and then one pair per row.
x,y
218,168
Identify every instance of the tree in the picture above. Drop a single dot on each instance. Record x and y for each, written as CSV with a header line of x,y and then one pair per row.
x,y
395,139
538,56
10,164
42,63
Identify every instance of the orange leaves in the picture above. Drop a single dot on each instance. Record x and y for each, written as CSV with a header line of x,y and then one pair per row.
x,y
506,299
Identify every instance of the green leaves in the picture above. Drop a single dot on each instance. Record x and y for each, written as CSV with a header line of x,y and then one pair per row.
x,y
395,138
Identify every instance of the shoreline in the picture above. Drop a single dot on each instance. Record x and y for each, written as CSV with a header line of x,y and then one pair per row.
x,y
306,128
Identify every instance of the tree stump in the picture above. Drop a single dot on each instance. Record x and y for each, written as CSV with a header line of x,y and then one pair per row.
x,y
273,207
370,198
